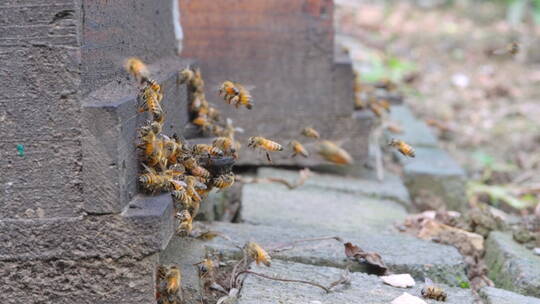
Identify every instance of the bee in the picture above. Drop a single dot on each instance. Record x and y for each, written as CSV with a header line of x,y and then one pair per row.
x,y
174,280
223,181
155,87
200,149
298,149
149,100
384,103
183,198
137,69
202,121
154,127
213,114
512,49
186,76
257,253
206,268
236,94
225,144
193,166
153,181
197,81
402,147
186,222
200,171
387,85
335,154
431,291
264,144
393,127
311,133
376,108
192,185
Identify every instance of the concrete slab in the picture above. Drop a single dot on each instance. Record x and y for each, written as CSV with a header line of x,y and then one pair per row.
x,y
415,132
392,188
402,254
494,295
365,289
274,205
512,266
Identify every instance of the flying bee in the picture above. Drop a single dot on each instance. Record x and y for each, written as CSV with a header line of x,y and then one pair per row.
x,y
200,149
257,253
432,291
387,85
298,149
402,147
264,144
223,181
137,69
384,103
311,133
236,94
186,223
393,127
335,154
376,108
512,49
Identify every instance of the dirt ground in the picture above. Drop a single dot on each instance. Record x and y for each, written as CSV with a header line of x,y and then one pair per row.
x,y
483,105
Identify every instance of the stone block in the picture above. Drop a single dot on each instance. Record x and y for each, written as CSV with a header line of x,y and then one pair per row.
x,y
89,281
434,180
368,289
492,295
512,266
287,54
392,188
110,121
402,254
275,205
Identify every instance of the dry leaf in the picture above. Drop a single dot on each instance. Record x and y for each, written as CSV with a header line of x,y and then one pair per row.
x,y
344,278
407,298
208,235
467,242
372,259
399,280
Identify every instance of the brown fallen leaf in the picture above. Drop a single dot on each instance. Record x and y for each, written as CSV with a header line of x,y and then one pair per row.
x,y
372,259
467,243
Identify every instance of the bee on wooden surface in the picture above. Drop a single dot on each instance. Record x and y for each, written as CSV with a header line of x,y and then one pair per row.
x,y
298,149
153,181
186,223
264,144
156,87
213,114
174,280
137,69
236,94
186,76
432,291
197,81
202,121
223,181
200,171
151,126
201,149
402,147
192,185
335,154
311,133
206,268
149,101
257,253
225,144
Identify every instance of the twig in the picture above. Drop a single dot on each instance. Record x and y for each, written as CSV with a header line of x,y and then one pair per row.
x,y
293,243
327,290
233,273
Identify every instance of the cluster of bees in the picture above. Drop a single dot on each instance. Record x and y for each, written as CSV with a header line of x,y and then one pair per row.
x,y
376,98
188,172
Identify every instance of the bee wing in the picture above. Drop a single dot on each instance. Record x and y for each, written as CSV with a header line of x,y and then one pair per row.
x,y
179,183
428,281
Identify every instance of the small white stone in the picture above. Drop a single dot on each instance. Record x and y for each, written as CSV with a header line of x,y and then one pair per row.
x,y
399,280
407,298
315,302
536,251
460,80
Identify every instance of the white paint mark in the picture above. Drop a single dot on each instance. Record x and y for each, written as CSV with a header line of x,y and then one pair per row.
x,y
178,33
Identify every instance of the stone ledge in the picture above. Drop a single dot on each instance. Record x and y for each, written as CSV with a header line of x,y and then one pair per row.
x,y
415,132
144,228
365,288
511,265
500,296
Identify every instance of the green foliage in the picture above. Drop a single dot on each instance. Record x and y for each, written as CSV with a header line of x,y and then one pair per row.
x,y
462,283
518,9
499,194
388,67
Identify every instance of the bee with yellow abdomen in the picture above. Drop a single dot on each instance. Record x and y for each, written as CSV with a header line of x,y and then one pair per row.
x,y
156,87
213,114
298,149
384,103
264,144
335,154
202,121
174,280
206,269
137,69
225,144
186,222
149,101
192,185
223,181
402,147
432,291
153,181
203,149
376,108
311,133
151,126
236,94
257,253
